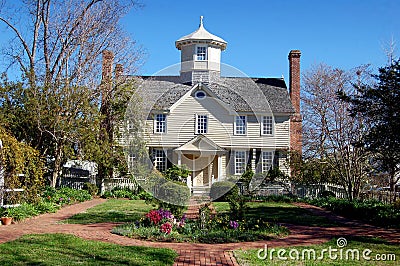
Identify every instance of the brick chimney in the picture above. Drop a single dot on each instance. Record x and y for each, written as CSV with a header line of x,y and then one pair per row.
x,y
107,68
107,75
296,135
119,70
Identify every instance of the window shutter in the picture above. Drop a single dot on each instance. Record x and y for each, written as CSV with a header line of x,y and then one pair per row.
x,y
258,161
169,157
275,162
249,156
231,163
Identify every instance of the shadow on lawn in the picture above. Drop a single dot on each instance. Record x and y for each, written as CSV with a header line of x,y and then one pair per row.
x,y
103,217
59,249
291,215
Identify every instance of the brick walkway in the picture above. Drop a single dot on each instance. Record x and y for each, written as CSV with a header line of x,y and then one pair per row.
x,y
189,253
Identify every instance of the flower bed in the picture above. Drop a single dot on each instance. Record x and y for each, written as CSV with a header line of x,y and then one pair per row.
x,y
162,225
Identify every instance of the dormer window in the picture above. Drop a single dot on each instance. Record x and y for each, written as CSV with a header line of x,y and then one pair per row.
x,y
266,125
160,123
201,53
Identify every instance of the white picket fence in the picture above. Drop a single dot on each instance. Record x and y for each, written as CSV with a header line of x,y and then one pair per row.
x,y
314,190
110,183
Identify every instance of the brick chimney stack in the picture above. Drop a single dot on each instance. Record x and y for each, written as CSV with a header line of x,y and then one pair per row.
x,y
107,75
296,136
119,70
107,70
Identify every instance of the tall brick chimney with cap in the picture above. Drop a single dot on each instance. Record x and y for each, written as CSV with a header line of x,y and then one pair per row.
x,y
296,136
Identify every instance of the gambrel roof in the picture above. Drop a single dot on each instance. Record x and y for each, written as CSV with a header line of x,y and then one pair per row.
x,y
261,95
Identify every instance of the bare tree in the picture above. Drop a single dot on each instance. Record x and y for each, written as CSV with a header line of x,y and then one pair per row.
x,y
389,49
58,46
330,132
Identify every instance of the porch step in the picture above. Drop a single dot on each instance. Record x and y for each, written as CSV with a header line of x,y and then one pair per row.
x,y
201,191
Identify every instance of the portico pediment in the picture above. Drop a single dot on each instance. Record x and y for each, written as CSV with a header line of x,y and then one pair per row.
x,y
200,145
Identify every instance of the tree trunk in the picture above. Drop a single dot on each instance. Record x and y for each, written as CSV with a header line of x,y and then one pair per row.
x,y
57,165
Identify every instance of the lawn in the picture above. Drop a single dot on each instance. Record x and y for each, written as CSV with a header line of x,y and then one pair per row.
x,y
379,249
113,210
61,249
279,212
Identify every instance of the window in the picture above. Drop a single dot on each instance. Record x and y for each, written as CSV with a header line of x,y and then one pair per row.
x,y
160,160
131,160
266,125
266,160
160,123
201,53
201,124
200,95
240,162
240,125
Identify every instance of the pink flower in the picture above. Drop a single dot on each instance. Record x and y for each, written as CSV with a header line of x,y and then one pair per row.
x,y
154,216
166,228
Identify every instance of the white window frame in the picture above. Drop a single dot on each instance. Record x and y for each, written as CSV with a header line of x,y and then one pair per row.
x,y
267,160
241,133
157,123
264,124
202,56
240,162
160,160
199,118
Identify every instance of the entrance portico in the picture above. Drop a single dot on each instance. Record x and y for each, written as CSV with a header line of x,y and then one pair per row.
x,y
204,159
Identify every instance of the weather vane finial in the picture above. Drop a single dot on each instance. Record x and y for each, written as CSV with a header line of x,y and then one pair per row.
x,y
201,21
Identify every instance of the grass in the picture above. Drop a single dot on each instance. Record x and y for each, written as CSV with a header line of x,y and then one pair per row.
x,y
279,212
113,210
61,249
377,246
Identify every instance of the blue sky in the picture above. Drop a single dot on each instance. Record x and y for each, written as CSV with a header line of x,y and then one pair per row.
x,y
260,34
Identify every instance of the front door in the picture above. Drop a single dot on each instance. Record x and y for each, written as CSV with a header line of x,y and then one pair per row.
x,y
201,177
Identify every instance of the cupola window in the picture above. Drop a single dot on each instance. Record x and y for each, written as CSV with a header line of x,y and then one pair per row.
x,y
201,53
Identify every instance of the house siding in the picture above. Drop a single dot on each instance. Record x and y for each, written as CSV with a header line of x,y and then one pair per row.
x,y
181,127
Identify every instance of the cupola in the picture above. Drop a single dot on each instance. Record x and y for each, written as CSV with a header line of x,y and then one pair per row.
x,y
200,55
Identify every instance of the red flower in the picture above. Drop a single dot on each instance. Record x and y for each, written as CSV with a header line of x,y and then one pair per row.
x,y
154,216
166,228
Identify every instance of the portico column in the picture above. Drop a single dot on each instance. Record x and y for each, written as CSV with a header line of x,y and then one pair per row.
x,y
219,167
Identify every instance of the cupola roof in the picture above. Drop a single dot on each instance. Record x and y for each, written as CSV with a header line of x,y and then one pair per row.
x,y
201,35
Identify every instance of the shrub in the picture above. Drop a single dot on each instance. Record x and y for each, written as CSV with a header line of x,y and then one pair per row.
x,y
176,193
65,195
91,188
237,203
21,212
176,173
19,158
371,211
123,192
107,194
326,194
46,207
219,190
144,195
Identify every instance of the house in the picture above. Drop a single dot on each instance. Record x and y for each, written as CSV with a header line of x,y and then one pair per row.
x,y
217,125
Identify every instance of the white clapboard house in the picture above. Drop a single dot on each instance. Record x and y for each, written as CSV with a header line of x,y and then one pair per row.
x,y
217,125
